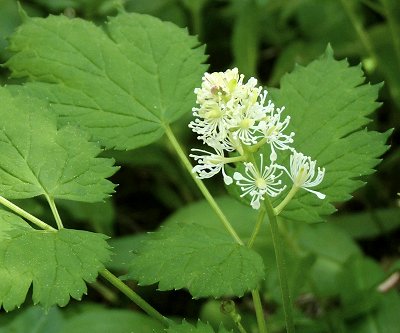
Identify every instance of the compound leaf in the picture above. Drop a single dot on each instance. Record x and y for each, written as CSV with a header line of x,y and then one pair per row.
x,y
197,258
56,263
329,103
39,159
124,83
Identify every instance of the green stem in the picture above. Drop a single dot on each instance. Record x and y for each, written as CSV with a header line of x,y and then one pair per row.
x,y
55,212
364,38
278,209
146,307
260,220
201,185
393,25
262,327
25,214
281,265
241,328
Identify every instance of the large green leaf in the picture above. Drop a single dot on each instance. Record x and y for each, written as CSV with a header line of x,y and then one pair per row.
x,y
57,263
124,83
197,258
328,104
39,159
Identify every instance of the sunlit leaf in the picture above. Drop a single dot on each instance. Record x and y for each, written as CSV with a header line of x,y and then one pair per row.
x,y
57,263
197,258
39,159
124,83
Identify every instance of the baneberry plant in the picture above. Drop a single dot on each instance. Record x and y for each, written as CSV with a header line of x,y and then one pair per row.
x,y
287,155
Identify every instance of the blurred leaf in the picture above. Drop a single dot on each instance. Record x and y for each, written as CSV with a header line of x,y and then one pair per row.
x,y
100,215
185,327
56,263
242,218
206,257
328,104
368,224
245,38
317,22
145,69
9,20
389,61
384,318
357,281
34,320
111,320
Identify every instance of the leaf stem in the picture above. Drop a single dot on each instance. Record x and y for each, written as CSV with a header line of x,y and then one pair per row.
x,y
201,185
25,214
134,297
259,311
54,210
260,220
281,265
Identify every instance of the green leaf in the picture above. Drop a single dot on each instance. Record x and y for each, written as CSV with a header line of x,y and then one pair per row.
x,y
369,224
57,263
39,159
206,256
35,319
328,104
115,321
124,83
201,327
384,318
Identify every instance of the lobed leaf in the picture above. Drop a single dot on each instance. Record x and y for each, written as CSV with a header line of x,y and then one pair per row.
x,y
39,159
124,83
197,258
56,263
329,103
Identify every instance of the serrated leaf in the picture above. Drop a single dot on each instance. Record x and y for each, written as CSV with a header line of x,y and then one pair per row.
x,y
39,159
201,327
57,263
197,258
124,83
328,104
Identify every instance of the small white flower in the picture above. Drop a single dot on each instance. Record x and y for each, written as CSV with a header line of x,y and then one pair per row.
x,y
258,183
209,164
302,172
272,130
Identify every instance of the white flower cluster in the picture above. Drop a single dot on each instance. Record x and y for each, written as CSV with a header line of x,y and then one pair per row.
x,y
233,116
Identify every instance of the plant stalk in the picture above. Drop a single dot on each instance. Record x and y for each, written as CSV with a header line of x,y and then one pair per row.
x,y
201,186
364,38
260,220
134,297
54,210
281,265
262,327
25,214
